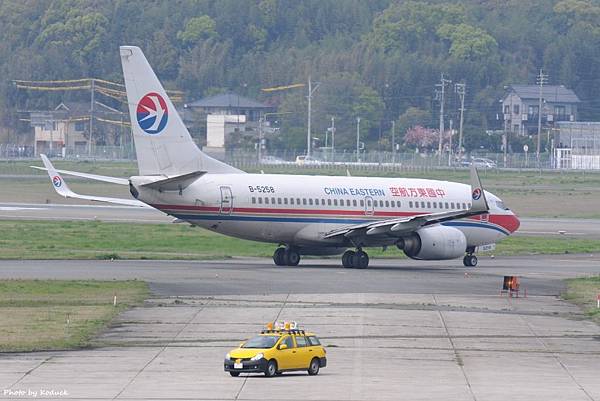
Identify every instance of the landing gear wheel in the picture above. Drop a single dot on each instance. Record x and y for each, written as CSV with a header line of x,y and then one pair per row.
x,y
313,368
360,260
271,369
470,261
292,257
234,374
279,256
347,259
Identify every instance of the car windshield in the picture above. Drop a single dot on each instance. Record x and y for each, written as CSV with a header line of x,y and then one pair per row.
x,y
261,342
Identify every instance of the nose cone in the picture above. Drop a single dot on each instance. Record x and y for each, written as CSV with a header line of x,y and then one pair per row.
x,y
513,223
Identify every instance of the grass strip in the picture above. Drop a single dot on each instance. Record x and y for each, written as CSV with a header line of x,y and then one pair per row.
x,y
101,240
40,315
583,292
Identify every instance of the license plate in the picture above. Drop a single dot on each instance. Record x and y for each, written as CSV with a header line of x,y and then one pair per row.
x,y
238,366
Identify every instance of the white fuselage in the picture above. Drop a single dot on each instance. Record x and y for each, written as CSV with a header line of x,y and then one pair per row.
x,y
299,210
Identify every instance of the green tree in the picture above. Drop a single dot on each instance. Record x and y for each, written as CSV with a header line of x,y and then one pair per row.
x,y
197,29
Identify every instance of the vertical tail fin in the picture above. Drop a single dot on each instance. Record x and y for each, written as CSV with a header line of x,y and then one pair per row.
x,y
162,142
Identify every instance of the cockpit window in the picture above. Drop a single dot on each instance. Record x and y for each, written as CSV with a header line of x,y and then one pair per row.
x,y
501,205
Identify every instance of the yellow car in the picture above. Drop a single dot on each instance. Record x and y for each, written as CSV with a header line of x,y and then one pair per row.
x,y
277,350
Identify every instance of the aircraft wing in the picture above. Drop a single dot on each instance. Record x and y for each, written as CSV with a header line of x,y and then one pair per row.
x,y
61,187
402,225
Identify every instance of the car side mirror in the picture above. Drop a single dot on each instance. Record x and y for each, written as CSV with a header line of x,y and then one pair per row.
x,y
282,346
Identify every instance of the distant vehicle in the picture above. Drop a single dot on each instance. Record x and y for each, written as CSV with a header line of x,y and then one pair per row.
x,y
276,350
303,160
481,162
273,160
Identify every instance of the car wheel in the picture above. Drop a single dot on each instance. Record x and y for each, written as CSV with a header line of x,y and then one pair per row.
x,y
271,369
313,368
234,374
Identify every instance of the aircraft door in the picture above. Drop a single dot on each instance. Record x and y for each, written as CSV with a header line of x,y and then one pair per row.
x,y
226,201
369,206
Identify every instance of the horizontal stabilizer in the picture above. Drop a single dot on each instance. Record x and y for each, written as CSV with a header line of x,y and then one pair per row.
x,y
61,187
103,178
176,183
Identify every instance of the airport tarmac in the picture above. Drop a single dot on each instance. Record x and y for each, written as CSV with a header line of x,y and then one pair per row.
x,y
579,228
400,330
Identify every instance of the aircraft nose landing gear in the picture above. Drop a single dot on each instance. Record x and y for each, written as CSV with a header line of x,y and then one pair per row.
x,y
357,260
286,257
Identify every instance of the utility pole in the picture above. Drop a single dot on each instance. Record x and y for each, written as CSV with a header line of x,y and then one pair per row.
x,y
332,139
461,90
92,83
441,92
260,137
450,145
541,80
358,139
311,91
393,142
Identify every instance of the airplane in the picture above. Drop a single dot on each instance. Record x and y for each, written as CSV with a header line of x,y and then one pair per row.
x,y
303,215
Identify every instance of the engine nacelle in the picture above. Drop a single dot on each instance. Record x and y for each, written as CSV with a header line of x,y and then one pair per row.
x,y
434,243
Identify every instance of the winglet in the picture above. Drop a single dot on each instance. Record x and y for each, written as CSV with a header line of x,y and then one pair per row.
x,y
477,193
60,186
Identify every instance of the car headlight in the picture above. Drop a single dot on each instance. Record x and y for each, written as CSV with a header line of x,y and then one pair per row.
x,y
257,357
228,356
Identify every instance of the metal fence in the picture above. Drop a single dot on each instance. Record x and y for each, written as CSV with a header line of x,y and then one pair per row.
x,y
380,161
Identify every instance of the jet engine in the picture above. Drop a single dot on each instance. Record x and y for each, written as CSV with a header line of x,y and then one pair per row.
x,y
434,243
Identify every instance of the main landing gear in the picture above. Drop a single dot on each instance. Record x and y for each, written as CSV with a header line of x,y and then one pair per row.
x,y
286,257
357,260
470,260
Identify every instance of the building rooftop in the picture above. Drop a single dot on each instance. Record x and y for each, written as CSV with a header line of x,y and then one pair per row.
x,y
550,93
228,100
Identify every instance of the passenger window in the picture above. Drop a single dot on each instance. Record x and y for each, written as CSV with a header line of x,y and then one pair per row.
x,y
310,201
423,205
417,205
354,202
446,205
362,203
410,205
469,205
300,341
279,201
316,202
335,202
329,202
259,200
347,202
266,201
387,203
435,205
441,205
393,203
398,204
312,340
304,201
291,201
285,201
464,206
451,205
428,205
297,201
253,200
323,202
273,200
369,202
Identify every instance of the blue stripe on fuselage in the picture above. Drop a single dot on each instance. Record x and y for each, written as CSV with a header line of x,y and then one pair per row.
x,y
281,219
